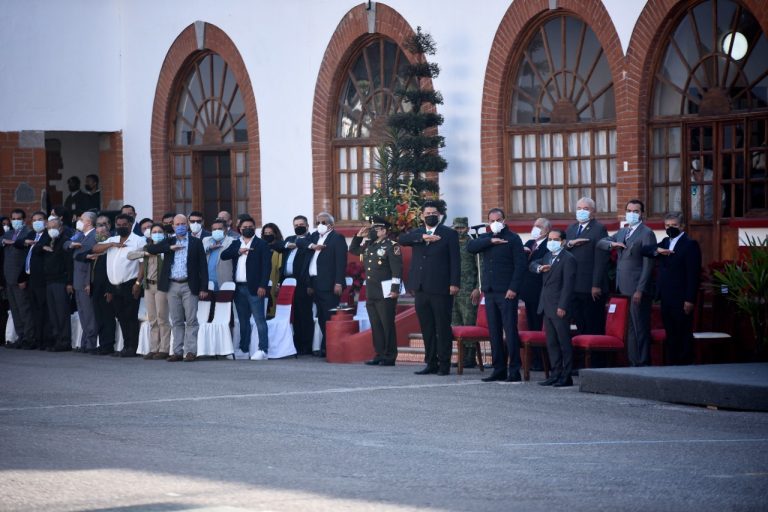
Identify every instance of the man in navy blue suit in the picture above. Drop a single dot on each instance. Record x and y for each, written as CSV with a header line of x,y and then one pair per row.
x,y
434,278
679,268
504,265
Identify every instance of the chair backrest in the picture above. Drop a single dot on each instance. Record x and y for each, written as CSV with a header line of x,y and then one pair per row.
x,y
617,316
482,320
222,308
362,296
285,296
228,286
203,311
289,281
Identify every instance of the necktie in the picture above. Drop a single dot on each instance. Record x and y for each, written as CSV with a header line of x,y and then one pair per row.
x,y
581,227
27,268
627,235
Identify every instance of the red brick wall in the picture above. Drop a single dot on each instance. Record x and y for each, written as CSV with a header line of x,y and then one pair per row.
x,y
19,165
111,177
182,51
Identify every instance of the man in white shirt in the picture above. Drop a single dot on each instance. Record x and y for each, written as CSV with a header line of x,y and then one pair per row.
x,y
125,277
219,271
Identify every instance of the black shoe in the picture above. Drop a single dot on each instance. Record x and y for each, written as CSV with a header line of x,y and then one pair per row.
x,y
126,353
386,363
514,377
496,376
443,373
551,380
91,351
470,364
563,383
373,362
32,346
106,351
427,370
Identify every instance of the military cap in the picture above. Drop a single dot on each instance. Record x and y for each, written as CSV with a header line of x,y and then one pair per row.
x,y
461,222
379,222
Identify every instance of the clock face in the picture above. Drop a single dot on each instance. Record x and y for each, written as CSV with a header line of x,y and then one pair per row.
x,y
739,48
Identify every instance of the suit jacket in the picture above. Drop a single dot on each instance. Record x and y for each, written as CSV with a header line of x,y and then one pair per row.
x,y
77,202
300,260
678,274
633,270
530,290
331,262
504,265
223,267
82,269
204,233
591,262
14,255
556,285
436,266
57,264
36,276
258,263
197,266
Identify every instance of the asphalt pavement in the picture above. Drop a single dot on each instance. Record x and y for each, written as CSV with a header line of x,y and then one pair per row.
x,y
80,432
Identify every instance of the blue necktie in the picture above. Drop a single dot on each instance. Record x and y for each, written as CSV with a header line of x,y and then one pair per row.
x,y
29,255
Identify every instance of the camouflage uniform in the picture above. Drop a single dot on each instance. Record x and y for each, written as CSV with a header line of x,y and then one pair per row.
x,y
464,312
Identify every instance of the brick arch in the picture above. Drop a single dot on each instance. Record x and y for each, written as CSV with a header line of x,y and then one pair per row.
x,y
352,30
655,23
511,35
184,50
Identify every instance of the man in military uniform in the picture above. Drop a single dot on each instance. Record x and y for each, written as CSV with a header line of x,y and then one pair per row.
x,y
466,301
383,270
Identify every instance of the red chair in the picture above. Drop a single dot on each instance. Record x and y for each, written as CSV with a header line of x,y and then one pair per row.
x,y
529,340
658,337
613,341
472,334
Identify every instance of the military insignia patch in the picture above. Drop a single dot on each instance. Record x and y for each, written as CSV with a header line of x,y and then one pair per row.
x,y
396,250
381,252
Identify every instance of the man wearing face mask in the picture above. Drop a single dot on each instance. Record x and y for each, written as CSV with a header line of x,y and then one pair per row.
x,y
504,265
125,278
295,263
530,290
434,278
37,333
634,278
57,269
591,268
94,192
219,271
466,301
326,269
679,267
77,201
558,271
81,279
14,254
197,226
184,277
101,289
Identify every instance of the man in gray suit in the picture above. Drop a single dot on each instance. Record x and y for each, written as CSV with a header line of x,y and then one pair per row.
x,y
633,278
14,255
81,244
556,304
219,271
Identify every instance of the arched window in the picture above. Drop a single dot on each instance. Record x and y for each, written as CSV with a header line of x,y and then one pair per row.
x,y
709,123
366,99
562,129
209,140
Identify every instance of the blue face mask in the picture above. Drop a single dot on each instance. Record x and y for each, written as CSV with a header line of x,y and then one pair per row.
x,y
632,218
218,235
17,224
554,246
158,237
38,226
181,230
582,216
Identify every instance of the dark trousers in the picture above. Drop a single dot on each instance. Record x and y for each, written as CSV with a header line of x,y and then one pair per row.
x,y
105,318
559,345
59,314
679,328
639,332
381,313
434,313
18,300
36,328
127,310
325,301
303,323
502,322
589,314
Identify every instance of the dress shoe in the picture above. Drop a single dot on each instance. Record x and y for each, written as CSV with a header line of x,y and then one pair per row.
x,y
495,377
373,362
149,355
91,351
514,377
191,356
174,358
427,370
444,372
160,355
551,380
106,351
384,362
563,383
126,353
32,346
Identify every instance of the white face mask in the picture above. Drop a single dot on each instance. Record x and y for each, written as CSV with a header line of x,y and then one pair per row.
x,y
79,225
195,227
6,228
582,216
496,227
554,246
322,229
53,233
147,233
535,232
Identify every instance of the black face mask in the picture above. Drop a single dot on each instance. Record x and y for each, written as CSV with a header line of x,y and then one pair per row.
x,y
74,188
89,188
248,232
300,230
268,238
372,236
673,232
123,232
431,220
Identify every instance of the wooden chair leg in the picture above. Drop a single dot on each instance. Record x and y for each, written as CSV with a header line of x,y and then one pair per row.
x,y
460,357
479,356
526,361
545,359
588,359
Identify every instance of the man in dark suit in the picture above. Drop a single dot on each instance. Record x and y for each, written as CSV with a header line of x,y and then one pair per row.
x,y
184,277
558,271
57,270
37,334
326,268
94,192
14,254
592,268
101,290
434,278
197,225
633,278
77,201
530,291
677,285
80,244
251,266
504,265
295,264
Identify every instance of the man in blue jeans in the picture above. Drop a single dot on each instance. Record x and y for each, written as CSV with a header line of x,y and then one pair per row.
x,y
251,265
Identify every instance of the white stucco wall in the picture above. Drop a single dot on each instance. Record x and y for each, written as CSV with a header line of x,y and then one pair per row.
x,y
92,65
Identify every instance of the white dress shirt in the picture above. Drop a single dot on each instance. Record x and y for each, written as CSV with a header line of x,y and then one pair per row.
x,y
673,241
313,262
119,268
241,276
